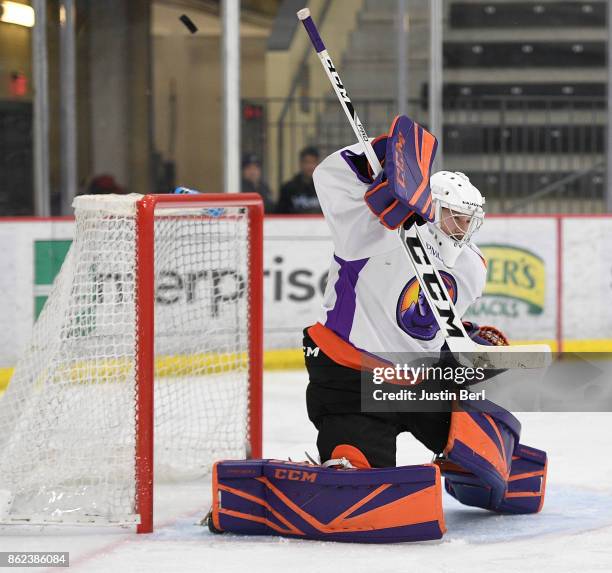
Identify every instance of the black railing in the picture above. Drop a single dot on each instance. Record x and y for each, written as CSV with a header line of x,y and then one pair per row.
x,y
516,147
544,152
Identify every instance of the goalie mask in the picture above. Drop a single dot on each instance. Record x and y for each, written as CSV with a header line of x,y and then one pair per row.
x,y
458,213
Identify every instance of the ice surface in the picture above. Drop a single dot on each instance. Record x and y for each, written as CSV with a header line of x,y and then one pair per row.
x,y
573,532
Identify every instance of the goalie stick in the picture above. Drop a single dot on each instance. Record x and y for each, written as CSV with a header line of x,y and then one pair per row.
x,y
498,357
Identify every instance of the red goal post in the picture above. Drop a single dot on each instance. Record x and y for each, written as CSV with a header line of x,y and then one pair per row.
x,y
145,287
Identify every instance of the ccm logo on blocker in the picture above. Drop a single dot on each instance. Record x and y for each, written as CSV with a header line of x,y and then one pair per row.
x,y
295,475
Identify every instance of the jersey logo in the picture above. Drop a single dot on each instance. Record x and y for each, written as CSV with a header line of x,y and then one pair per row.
x,y
414,315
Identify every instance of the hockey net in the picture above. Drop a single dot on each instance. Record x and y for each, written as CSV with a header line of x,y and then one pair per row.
x,y
76,422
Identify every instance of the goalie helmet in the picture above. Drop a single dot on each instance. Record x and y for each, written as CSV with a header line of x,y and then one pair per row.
x,y
458,213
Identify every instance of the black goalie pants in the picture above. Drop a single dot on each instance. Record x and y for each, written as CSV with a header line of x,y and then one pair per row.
x,y
333,399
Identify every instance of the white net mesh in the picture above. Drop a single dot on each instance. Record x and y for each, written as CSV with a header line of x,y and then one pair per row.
x,y
67,419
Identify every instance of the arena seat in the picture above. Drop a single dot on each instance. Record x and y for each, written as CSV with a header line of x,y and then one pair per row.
x,y
523,183
527,14
524,54
520,95
518,138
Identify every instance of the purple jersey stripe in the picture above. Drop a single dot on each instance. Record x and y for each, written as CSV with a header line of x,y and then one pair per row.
x,y
340,318
348,156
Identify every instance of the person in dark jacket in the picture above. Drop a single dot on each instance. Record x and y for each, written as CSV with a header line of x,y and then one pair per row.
x,y
252,181
298,196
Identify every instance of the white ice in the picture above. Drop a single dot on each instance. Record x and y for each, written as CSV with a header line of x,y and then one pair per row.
x,y
572,533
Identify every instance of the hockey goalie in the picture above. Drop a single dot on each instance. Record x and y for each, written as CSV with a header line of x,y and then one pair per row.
x,y
372,305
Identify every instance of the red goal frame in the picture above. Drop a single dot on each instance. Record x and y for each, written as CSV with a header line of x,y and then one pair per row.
x,y
145,329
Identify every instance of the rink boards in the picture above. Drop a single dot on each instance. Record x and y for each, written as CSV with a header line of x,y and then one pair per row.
x,y
549,279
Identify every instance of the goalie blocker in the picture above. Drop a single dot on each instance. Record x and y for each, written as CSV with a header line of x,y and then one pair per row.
x,y
272,497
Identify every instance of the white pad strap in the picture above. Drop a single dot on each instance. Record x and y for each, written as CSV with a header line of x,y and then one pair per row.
x,y
339,463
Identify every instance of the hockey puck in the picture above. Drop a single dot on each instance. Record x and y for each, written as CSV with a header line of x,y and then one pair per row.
x,y
188,23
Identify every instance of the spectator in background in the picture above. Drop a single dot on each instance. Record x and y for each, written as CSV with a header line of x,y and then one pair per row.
x,y
104,185
252,181
298,195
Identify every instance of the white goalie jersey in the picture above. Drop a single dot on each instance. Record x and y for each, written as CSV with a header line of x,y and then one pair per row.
x,y
373,300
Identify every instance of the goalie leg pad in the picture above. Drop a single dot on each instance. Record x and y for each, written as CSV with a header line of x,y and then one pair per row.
x,y
527,482
271,497
480,472
525,490
478,455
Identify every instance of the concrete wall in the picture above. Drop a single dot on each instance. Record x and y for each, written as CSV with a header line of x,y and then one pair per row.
x,y
129,52
108,73
193,65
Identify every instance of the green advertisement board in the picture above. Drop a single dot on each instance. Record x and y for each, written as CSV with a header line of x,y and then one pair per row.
x,y
48,259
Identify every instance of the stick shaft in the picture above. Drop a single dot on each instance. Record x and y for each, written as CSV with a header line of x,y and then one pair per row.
x,y
349,110
341,93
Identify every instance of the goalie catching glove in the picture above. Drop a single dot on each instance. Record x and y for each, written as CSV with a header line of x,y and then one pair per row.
x,y
400,194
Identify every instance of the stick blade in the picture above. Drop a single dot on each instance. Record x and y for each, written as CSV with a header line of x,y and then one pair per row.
x,y
508,357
